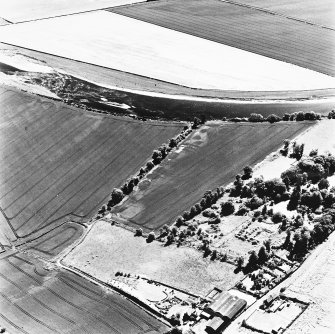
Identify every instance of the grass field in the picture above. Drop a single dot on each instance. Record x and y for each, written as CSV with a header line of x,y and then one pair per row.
x,y
36,301
252,30
320,12
116,41
107,249
60,163
212,156
15,11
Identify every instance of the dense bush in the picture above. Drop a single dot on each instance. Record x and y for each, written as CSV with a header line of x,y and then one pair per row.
x,y
151,237
227,208
256,118
116,197
254,203
331,114
277,217
273,118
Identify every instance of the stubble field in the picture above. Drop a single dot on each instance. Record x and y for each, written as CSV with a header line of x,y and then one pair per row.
x,y
211,157
60,163
245,28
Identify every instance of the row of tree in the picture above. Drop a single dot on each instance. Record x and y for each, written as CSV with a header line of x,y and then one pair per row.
x,y
157,157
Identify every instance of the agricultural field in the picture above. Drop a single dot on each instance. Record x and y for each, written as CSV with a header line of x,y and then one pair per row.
x,y
60,163
115,41
108,249
149,87
51,244
15,12
256,31
320,12
38,301
210,157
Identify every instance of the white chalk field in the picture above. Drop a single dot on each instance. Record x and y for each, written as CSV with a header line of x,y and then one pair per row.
x,y
27,10
129,45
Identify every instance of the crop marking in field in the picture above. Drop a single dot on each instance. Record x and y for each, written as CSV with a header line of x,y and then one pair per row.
x,y
114,41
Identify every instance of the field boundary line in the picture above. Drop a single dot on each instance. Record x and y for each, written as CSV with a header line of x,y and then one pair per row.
x,y
75,13
270,12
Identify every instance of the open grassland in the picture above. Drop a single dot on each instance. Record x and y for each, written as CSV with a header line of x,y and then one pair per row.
x,y
59,163
321,12
107,249
15,11
245,28
36,301
116,41
210,157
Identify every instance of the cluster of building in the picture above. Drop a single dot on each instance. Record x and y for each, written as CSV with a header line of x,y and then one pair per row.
x,y
224,308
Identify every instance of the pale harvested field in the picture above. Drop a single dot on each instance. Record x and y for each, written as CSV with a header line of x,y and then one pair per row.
x,y
144,85
315,284
245,28
125,44
28,10
320,12
108,249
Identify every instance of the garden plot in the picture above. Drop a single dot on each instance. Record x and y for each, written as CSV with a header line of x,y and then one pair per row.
x,y
125,44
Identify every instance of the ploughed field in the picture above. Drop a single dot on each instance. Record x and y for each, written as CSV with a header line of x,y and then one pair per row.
x,y
210,157
59,163
246,28
36,301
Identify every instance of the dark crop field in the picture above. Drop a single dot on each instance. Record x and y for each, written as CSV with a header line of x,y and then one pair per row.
x,y
211,157
36,301
59,163
246,28
321,12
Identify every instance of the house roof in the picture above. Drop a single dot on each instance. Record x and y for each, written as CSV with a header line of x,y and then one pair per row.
x,y
227,305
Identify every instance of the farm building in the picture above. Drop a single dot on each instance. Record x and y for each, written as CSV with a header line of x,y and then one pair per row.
x,y
223,309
